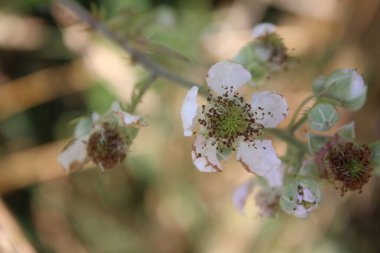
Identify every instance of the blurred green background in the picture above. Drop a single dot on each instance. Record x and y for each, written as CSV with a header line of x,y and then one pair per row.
x,y
54,69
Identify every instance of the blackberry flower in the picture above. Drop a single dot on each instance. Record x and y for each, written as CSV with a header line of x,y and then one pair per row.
x,y
228,123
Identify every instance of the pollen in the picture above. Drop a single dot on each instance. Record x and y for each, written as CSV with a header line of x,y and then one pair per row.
x,y
350,164
106,148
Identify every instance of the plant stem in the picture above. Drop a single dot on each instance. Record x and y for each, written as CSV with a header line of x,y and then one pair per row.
x,y
295,115
299,123
135,54
137,95
286,136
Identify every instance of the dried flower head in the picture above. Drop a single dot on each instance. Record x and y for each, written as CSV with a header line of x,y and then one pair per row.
x,y
106,147
349,164
103,140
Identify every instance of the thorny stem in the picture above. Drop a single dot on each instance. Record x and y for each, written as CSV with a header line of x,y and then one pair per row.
x,y
292,123
299,123
136,55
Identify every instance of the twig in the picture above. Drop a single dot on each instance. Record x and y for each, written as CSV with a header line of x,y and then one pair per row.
x,y
136,55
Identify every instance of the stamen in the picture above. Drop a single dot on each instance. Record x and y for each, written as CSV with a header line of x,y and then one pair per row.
x,y
228,117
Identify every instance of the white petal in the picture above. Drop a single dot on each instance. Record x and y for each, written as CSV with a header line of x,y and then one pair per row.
x,y
259,158
271,108
309,196
227,74
126,118
240,195
204,155
263,29
358,86
300,212
189,111
74,155
275,177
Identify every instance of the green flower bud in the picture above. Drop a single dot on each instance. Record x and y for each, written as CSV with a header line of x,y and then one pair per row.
x,y
322,117
345,87
319,84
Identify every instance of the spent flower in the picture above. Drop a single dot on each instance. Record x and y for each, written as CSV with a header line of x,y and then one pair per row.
x,y
103,140
344,161
228,123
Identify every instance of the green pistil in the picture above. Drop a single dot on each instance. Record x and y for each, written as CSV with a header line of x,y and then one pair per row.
x,y
356,167
232,122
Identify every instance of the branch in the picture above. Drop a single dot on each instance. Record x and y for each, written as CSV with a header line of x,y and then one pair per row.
x,y
135,54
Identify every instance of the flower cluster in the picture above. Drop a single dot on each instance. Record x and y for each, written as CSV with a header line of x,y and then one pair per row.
x,y
103,140
335,158
226,121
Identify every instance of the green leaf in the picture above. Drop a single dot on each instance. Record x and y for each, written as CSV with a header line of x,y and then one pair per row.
x,y
347,131
322,117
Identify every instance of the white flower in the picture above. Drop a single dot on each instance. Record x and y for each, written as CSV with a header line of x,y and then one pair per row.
x,y
100,139
263,29
229,123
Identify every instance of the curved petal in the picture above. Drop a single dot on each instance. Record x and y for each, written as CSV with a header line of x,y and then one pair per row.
x,y
204,155
263,29
271,108
126,118
189,111
259,158
74,155
227,74
309,196
241,193
300,212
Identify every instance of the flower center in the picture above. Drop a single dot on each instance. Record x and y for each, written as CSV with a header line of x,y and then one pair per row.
x,y
106,147
227,118
231,121
350,164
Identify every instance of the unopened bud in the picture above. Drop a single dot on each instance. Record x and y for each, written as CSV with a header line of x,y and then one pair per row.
x,y
345,87
322,117
300,197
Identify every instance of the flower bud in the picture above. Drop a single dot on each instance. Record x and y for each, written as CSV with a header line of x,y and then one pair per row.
x,y
345,87
300,197
322,117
